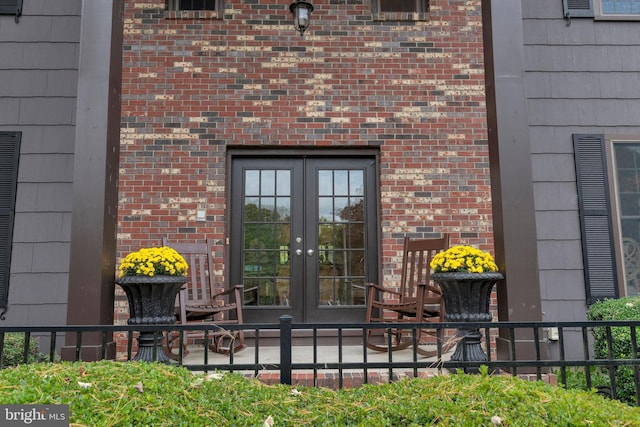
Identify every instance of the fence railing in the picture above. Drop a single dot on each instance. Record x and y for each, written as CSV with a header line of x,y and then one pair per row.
x,y
547,358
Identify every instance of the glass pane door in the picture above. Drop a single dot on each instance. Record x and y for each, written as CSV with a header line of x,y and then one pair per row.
x,y
341,233
307,237
266,206
267,231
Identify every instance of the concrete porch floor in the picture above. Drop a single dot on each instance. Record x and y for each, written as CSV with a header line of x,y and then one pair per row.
x,y
304,354
326,354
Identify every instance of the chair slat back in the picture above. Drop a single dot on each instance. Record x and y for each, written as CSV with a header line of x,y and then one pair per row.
x,y
418,254
199,257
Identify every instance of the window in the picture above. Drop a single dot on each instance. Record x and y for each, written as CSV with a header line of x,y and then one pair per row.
x,y
602,9
9,155
400,10
401,6
194,9
193,4
626,164
611,8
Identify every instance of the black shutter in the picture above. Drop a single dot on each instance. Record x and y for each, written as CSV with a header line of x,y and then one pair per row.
x,y
9,155
595,218
578,8
10,7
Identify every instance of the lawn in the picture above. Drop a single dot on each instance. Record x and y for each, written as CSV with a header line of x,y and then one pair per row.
x,y
111,393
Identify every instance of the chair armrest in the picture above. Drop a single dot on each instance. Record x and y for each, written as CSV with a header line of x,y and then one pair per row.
x,y
429,287
229,291
382,289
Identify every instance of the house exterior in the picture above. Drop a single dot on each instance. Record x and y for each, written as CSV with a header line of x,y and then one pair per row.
x,y
309,158
306,158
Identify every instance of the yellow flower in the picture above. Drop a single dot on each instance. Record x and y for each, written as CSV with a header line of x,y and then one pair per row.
x,y
463,259
154,261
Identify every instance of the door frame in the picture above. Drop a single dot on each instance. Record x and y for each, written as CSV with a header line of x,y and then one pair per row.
x,y
262,152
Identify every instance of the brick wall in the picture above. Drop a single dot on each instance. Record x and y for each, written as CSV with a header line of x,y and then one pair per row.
x,y
192,87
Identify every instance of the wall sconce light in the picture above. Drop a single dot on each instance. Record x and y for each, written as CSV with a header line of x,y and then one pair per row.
x,y
301,11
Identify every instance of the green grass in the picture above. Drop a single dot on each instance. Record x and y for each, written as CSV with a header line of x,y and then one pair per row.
x,y
147,394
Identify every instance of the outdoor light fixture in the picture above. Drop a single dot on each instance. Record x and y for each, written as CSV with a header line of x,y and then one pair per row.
x,y
301,11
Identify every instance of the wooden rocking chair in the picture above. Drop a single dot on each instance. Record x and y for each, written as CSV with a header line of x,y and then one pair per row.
x,y
417,299
198,303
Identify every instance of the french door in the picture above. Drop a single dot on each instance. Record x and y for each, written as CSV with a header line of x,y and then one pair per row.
x,y
303,236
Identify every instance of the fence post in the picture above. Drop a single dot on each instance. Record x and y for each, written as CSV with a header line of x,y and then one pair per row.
x,y
285,349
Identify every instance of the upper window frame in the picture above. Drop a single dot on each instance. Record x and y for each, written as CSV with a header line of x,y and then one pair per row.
x,y
421,14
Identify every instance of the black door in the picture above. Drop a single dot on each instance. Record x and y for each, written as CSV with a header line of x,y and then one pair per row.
x,y
303,236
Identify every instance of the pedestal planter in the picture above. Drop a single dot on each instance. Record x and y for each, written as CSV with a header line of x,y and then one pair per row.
x,y
151,302
466,299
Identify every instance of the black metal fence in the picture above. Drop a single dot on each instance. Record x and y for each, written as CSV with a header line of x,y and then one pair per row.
x,y
546,356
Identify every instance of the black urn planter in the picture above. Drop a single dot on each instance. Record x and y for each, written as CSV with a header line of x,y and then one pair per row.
x,y
151,302
466,299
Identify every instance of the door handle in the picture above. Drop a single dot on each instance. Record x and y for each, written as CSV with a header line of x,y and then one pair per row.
x,y
298,252
310,252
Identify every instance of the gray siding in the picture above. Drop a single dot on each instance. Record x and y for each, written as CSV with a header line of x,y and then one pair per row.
x,y
39,74
580,78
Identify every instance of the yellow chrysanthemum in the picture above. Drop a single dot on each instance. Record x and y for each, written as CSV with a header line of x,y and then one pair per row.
x,y
463,259
154,261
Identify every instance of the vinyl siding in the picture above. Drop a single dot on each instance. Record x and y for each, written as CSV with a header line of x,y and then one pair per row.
x,y
39,72
579,78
